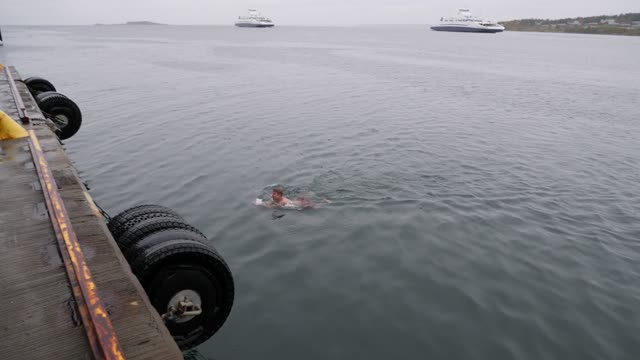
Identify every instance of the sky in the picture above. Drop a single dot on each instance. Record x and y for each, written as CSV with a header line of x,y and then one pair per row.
x,y
295,12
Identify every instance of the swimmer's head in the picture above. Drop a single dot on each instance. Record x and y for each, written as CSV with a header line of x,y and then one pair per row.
x,y
277,193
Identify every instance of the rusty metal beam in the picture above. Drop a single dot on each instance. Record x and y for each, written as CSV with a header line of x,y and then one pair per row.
x,y
100,333
22,110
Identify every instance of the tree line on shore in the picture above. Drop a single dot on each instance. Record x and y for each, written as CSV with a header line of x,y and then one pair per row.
x,y
623,24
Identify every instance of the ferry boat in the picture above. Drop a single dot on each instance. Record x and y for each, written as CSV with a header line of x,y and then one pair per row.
x,y
254,19
465,22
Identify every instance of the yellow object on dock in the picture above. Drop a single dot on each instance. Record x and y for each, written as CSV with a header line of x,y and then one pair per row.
x,y
10,129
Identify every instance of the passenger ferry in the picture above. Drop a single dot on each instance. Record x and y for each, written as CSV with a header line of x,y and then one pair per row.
x,y
254,19
465,22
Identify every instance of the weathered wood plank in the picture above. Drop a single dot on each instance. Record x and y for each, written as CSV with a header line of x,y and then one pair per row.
x,y
40,318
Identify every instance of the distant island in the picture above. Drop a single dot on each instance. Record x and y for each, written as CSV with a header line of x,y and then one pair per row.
x,y
135,23
142,23
623,24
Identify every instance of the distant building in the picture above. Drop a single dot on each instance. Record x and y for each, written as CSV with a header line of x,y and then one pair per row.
x,y
574,22
609,22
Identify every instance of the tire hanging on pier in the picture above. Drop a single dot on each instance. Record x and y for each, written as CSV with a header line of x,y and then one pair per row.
x,y
186,280
190,285
124,221
38,85
149,226
45,94
64,113
159,237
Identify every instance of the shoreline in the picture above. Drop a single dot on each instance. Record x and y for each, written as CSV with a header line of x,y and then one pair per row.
x,y
623,24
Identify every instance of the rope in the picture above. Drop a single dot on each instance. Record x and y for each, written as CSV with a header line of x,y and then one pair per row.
x,y
104,213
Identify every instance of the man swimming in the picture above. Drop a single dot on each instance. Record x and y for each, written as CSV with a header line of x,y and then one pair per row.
x,y
278,200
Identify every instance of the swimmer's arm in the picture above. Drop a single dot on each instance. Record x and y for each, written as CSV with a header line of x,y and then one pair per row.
x,y
267,204
270,204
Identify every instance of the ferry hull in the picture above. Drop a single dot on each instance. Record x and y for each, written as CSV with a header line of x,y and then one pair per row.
x,y
465,29
255,25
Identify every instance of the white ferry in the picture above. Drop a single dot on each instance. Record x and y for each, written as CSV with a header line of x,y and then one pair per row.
x,y
254,19
465,22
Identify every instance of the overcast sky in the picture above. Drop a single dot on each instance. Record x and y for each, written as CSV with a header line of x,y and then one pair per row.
x,y
294,12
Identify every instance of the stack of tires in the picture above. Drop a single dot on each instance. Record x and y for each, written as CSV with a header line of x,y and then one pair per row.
x,y
61,110
186,280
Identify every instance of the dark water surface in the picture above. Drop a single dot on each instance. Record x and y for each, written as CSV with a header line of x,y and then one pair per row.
x,y
485,188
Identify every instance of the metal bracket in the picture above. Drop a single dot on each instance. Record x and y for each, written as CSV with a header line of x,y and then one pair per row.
x,y
181,308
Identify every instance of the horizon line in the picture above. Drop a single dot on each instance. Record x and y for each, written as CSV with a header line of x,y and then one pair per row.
x,y
306,25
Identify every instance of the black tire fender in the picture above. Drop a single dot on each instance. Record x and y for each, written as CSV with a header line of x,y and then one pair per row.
x,y
124,221
159,237
149,226
176,266
63,112
37,85
45,94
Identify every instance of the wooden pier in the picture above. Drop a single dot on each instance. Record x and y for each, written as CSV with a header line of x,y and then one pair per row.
x,y
62,301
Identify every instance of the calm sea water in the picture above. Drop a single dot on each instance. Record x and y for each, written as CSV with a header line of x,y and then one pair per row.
x,y
485,187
